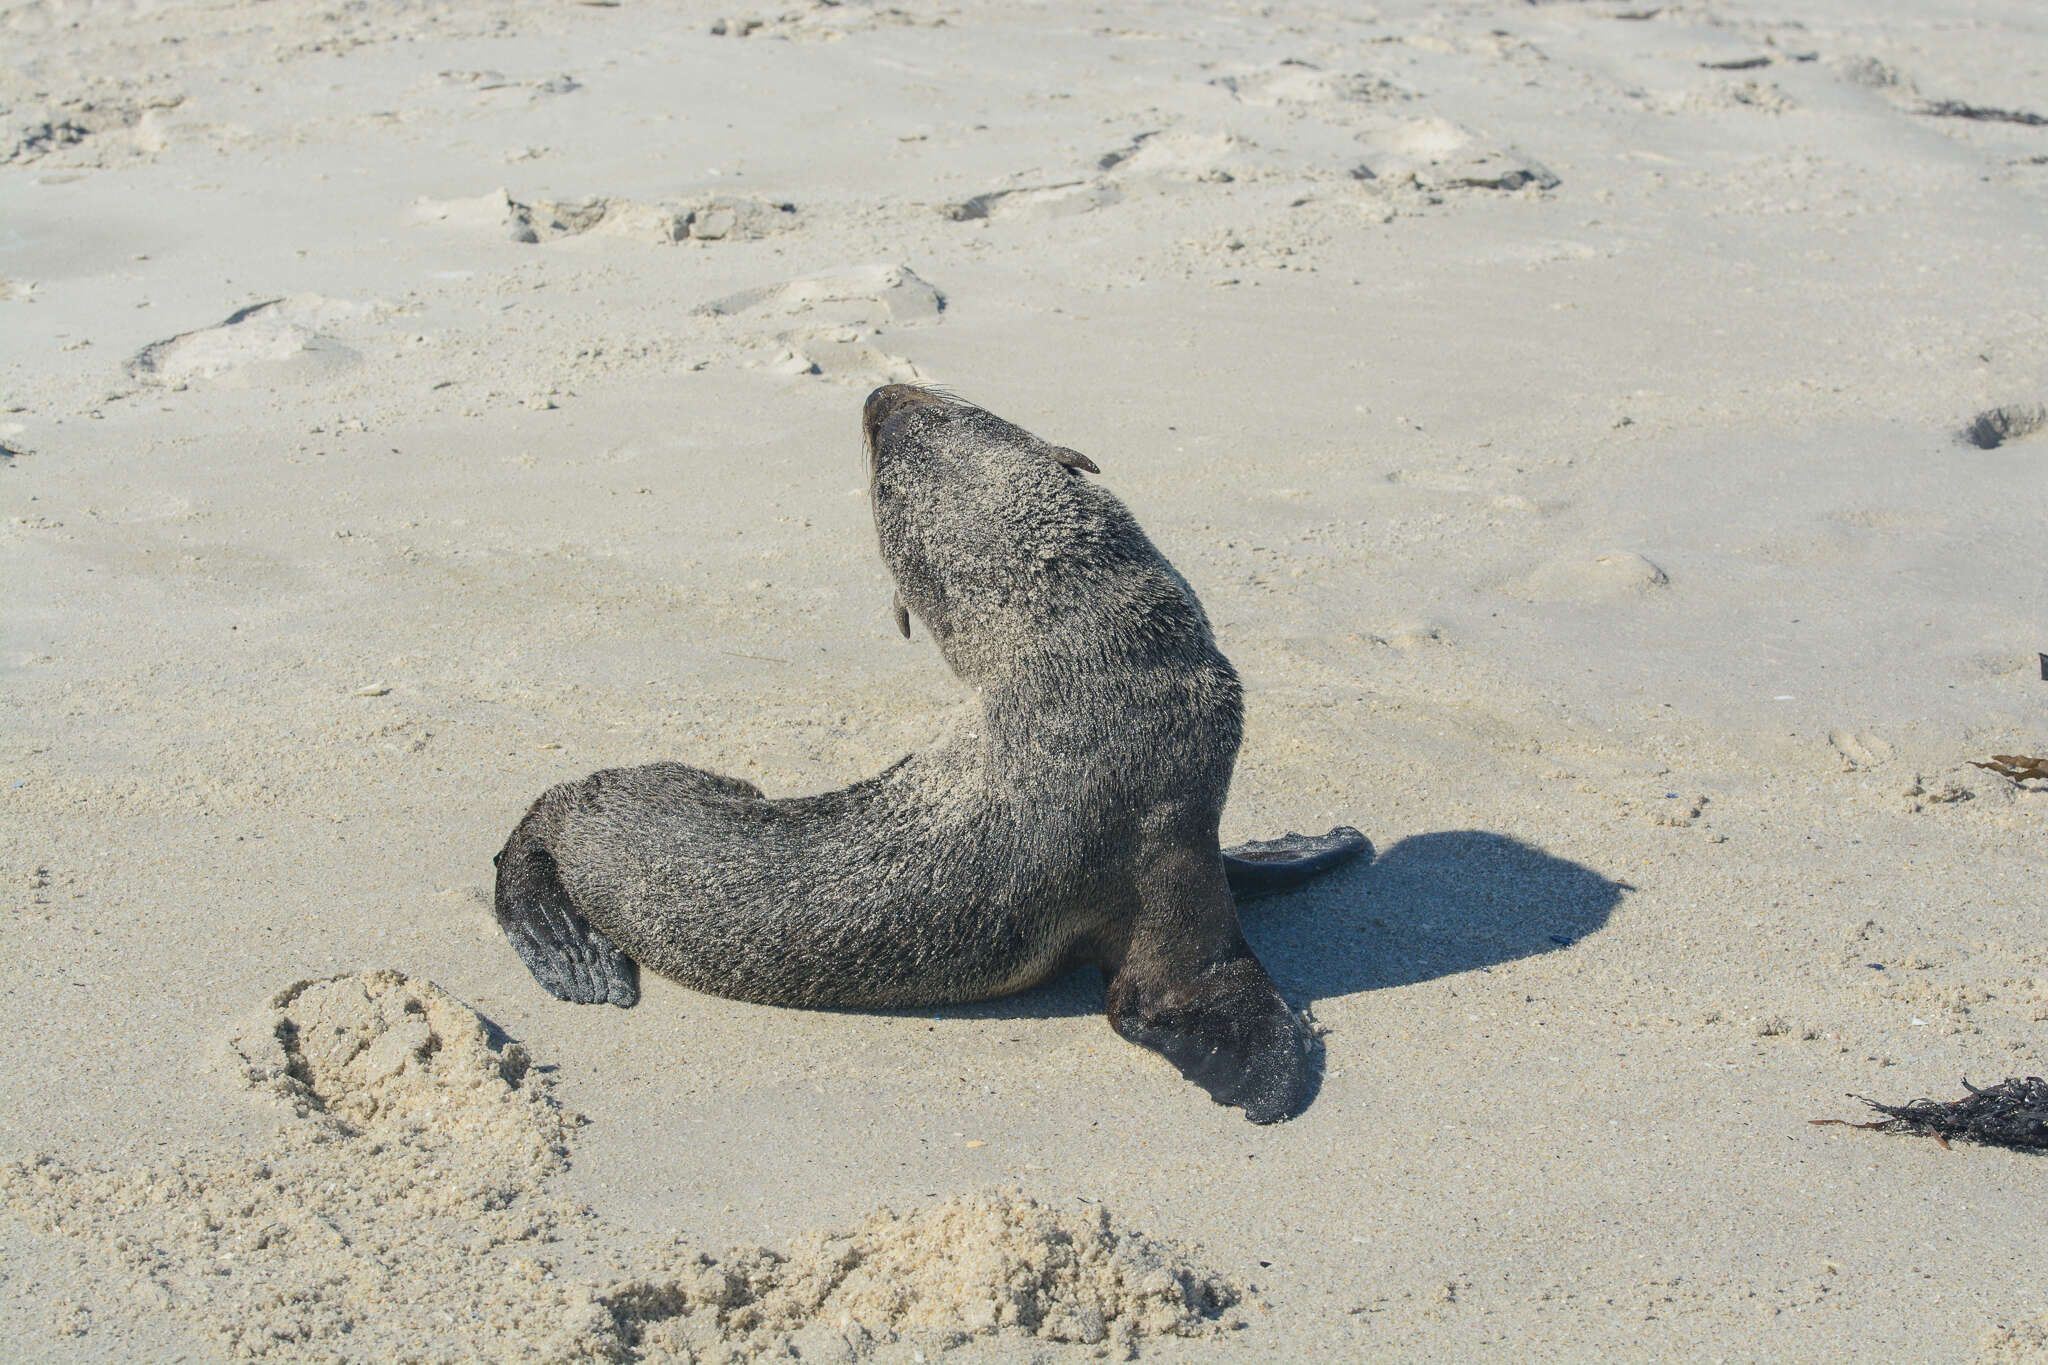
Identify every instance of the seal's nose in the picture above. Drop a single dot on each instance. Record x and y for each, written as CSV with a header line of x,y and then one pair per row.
x,y
890,399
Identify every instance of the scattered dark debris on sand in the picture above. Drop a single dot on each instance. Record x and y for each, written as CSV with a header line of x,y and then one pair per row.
x,y
2013,1113
2015,766
1981,113
1993,427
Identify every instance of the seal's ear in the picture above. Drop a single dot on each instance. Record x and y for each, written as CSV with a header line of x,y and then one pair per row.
x,y
1072,459
901,613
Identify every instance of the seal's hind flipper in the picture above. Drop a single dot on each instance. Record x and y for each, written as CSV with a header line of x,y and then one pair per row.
x,y
1264,866
570,958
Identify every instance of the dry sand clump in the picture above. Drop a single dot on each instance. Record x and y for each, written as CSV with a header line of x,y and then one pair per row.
x,y
402,1213
990,1262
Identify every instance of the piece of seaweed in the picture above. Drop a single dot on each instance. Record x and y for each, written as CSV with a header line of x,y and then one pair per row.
x,y
2018,767
2013,1113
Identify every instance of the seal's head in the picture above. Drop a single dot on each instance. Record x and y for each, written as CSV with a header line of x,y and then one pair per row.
x,y
994,537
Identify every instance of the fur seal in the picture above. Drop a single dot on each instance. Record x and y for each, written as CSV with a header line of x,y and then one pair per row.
x,y
1069,818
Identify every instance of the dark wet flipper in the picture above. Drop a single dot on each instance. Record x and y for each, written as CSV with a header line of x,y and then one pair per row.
x,y
568,955
1264,866
1229,1032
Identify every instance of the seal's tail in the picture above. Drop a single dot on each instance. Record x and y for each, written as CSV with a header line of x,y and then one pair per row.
x,y
570,958
1265,866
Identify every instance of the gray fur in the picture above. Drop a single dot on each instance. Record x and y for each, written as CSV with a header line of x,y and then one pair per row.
x,y
1069,817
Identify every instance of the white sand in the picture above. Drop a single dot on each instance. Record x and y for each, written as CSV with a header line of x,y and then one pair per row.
x,y
1565,416
406,1213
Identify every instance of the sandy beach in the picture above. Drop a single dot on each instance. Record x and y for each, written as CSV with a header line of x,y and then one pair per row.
x,y
1607,437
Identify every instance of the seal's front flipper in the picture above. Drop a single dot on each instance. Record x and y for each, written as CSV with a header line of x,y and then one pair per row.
x,y
570,958
1264,866
1227,1030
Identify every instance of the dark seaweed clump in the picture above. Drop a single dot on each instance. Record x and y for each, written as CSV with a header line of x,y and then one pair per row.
x,y
2013,1113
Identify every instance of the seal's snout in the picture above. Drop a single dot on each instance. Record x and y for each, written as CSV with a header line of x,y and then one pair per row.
x,y
889,400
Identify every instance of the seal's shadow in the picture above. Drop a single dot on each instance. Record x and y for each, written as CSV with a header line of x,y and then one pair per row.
x,y
1433,905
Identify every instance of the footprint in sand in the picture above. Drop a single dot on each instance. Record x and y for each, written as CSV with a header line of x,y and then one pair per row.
x,y
828,323
718,218
1294,81
1859,748
1036,203
1411,634
1902,90
277,341
864,295
87,131
1763,97
1148,162
481,81
1436,154
1614,576
1872,74
1182,156
819,21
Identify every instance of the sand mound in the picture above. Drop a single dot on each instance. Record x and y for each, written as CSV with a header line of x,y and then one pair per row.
x,y
405,1063
985,1263
402,1214
412,1147
276,340
1613,576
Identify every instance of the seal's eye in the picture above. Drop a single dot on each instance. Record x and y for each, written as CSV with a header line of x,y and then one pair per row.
x,y
1072,459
